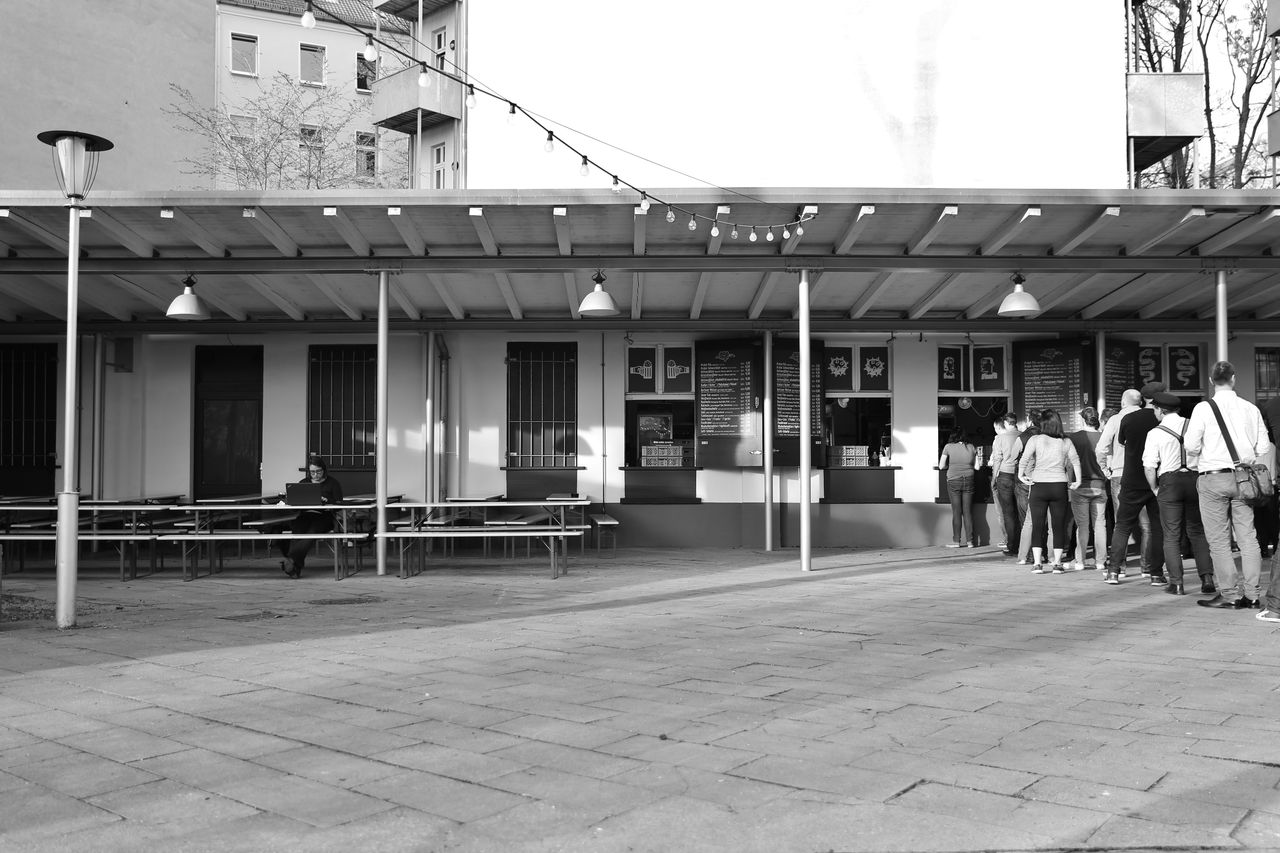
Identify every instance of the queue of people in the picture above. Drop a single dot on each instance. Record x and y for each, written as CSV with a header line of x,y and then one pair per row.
x,y
1171,482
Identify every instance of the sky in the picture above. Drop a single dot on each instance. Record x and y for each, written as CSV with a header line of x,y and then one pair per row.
x,y
690,93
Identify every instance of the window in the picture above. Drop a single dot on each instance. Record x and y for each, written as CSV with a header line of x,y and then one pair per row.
x,y
1266,365
366,73
542,405
439,168
242,128
310,136
341,405
366,154
311,64
438,45
244,54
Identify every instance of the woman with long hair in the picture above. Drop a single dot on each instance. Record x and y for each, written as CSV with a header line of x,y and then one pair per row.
x,y
957,460
1050,467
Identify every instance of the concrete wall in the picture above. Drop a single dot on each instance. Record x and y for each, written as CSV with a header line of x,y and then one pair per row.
x,y
103,68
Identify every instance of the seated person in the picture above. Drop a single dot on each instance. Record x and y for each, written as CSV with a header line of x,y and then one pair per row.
x,y
310,520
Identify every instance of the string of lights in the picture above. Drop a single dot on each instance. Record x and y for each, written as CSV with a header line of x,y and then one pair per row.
x,y
674,211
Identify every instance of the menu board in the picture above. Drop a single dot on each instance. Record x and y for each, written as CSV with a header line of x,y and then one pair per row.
x,y
1121,365
786,390
726,402
1051,375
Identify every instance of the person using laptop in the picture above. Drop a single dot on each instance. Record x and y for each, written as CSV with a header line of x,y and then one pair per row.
x,y
310,520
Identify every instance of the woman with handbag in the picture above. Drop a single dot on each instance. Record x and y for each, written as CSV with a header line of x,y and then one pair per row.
x,y
1050,467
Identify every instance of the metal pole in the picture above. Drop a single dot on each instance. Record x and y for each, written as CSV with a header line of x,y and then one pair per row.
x,y
806,390
768,441
1100,360
430,432
1220,321
381,475
68,544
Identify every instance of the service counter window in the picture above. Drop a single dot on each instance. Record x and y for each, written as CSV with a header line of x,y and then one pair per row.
x,y
973,392
857,428
660,425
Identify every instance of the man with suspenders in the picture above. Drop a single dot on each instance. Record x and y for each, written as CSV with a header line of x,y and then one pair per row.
x,y
1173,478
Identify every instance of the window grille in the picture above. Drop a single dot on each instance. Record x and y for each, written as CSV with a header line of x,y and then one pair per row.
x,y
542,405
342,405
1266,365
28,403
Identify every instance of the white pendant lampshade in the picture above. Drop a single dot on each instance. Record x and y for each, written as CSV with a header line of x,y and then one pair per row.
x,y
1019,303
598,303
186,305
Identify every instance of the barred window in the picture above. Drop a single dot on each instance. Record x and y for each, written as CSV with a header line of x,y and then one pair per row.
x,y
542,405
342,405
28,405
1266,365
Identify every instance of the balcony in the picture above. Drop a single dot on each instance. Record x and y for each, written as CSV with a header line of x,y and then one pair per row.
x,y
1166,113
398,99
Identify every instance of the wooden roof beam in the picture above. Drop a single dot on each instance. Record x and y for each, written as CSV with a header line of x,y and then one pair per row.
x,y
269,293
714,240
1103,218
915,312
412,239
89,296
329,287
140,292
864,302
1141,246
1266,288
44,235
30,292
271,229
1115,297
699,295
789,244
401,297
1236,232
1181,296
348,231
564,237
1008,230
763,291
484,232
816,284
925,238
855,229
637,295
639,219
1054,297
195,232
121,233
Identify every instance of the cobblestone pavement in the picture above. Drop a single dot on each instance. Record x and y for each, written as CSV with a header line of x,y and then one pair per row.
x,y
656,700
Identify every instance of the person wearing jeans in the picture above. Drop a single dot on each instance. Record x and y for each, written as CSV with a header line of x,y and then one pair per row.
x,y
1089,502
1051,468
1220,506
1110,456
1004,466
957,460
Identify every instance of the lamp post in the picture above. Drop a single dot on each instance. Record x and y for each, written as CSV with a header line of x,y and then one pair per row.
x,y
75,160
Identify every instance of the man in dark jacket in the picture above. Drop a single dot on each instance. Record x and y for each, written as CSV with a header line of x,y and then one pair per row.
x,y
1136,496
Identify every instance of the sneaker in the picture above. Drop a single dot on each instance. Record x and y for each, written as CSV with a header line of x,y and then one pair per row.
x,y
1025,561
1120,573
1268,616
1057,569
1037,569
1158,580
1112,577
1090,567
971,544
952,545
1003,546
1075,566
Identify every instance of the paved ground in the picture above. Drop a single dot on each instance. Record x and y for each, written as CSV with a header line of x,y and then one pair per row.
x,y
653,701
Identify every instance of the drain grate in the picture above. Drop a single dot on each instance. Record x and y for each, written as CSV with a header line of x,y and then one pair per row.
x,y
254,617
328,601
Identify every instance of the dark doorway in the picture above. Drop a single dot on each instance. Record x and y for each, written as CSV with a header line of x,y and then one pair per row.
x,y
28,418
228,427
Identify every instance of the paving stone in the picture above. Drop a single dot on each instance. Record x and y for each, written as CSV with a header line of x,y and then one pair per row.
x,y
82,775
867,785
304,800
327,766
168,802
447,798
122,744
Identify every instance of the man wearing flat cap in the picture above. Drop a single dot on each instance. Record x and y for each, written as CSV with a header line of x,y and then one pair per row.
x,y
1172,476
1136,495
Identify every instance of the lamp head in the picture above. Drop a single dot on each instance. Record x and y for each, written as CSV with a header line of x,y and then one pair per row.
x,y
598,303
75,159
1019,303
186,305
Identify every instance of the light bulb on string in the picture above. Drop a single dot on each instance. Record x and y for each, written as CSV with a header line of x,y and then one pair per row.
x,y
644,202
471,97
309,18
693,223
550,144
617,187
752,238
424,79
585,168
671,214
799,230
734,233
370,49
769,236
786,233
715,229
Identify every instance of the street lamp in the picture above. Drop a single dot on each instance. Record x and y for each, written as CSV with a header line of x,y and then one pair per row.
x,y
75,161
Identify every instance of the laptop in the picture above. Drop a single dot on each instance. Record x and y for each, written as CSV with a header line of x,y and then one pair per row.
x,y
302,494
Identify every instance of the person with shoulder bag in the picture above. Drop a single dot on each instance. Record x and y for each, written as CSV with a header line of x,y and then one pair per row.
x,y
1226,432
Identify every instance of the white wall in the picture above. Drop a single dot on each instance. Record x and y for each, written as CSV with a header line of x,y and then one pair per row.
x,y
985,93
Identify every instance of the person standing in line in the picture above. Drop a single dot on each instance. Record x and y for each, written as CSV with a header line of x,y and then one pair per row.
x,y
1051,469
1267,517
957,460
1106,415
1004,468
1029,425
1089,501
1136,496
1169,472
1111,459
1220,504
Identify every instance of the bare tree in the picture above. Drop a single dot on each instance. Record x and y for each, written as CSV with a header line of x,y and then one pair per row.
x,y
287,136
1208,18
1161,29
1250,54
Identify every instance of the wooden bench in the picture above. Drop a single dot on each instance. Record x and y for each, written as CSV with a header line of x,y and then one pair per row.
x,y
191,541
124,541
605,524
552,534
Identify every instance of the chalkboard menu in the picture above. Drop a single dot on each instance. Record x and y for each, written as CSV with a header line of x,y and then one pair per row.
x,y
1051,375
1121,364
786,389
726,398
